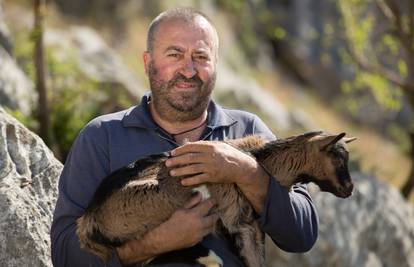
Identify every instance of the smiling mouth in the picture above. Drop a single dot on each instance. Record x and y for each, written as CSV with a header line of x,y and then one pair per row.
x,y
185,85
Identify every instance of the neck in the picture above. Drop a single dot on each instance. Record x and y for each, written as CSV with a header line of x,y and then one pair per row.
x,y
177,127
282,162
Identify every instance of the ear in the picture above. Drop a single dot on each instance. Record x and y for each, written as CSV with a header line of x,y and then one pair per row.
x,y
350,139
147,58
309,135
327,141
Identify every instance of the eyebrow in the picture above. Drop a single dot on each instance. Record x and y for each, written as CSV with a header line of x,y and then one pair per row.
x,y
182,50
174,47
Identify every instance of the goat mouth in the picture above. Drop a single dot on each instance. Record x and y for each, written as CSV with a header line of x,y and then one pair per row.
x,y
344,192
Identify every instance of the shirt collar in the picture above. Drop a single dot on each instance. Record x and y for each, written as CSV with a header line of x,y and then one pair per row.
x,y
140,116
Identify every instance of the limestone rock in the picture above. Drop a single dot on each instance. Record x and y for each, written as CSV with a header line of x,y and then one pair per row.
x,y
28,191
246,92
95,59
16,90
374,227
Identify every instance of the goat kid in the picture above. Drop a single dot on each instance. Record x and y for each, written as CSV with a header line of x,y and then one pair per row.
x,y
135,199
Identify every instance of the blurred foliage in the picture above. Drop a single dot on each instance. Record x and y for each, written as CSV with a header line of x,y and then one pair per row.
x,y
74,99
253,22
371,48
381,43
397,133
29,121
229,99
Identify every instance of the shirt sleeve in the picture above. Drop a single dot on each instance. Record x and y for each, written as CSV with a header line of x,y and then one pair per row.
x,y
289,218
86,165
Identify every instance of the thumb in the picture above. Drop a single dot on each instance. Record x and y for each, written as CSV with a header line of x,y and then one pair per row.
x,y
194,200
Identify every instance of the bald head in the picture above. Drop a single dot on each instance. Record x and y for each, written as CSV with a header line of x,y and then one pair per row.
x,y
187,15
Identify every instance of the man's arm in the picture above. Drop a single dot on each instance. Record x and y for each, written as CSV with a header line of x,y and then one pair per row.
x,y
88,160
87,163
289,218
185,228
221,163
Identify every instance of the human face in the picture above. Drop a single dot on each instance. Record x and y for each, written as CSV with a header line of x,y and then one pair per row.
x,y
181,69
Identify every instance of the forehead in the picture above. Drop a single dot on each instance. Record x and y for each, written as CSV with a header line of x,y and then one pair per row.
x,y
195,34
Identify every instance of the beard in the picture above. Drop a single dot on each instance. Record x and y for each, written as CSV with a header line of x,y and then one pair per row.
x,y
179,106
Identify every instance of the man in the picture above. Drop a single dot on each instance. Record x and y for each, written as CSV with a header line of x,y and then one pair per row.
x,y
180,61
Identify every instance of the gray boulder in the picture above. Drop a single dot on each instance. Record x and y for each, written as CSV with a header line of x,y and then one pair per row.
x,y
16,90
238,90
374,227
28,190
95,59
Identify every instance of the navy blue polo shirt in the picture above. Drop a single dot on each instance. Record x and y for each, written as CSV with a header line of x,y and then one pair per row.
x,y
111,141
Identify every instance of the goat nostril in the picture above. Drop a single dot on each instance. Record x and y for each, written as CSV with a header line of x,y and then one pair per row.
x,y
349,186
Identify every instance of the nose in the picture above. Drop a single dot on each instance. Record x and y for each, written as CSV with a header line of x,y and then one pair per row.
x,y
349,186
188,70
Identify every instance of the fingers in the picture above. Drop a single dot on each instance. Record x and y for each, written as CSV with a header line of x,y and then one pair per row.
x,y
211,220
196,179
203,207
209,223
193,201
187,158
188,170
195,147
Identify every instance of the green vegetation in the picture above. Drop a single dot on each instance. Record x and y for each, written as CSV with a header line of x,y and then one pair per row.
x,y
251,23
367,53
380,44
74,99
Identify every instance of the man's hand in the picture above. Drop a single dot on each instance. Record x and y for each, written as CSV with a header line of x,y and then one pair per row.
x,y
215,162
185,228
218,162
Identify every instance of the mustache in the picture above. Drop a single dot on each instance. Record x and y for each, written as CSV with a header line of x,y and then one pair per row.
x,y
181,78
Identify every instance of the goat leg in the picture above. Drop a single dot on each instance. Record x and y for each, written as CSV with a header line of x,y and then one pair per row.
x,y
251,251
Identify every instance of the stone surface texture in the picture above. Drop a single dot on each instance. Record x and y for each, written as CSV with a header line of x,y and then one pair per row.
x,y
28,190
374,227
16,90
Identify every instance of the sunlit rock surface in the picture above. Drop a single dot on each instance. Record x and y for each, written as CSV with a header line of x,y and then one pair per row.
x,y
374,227
94,58
28,190
16,90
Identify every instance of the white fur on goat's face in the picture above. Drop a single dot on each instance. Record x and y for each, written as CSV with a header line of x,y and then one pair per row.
x,y
334,176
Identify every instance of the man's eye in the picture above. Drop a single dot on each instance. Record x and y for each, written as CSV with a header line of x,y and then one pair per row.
x,y
174,55
202,57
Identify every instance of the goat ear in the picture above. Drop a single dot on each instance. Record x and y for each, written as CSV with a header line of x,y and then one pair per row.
x,y
309,135
330,140
349,139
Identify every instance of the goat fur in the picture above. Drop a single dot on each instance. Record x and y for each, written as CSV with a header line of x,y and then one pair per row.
x,y
137,198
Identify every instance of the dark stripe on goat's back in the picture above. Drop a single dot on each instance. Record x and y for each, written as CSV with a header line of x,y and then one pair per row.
x,y
269,148
122,176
